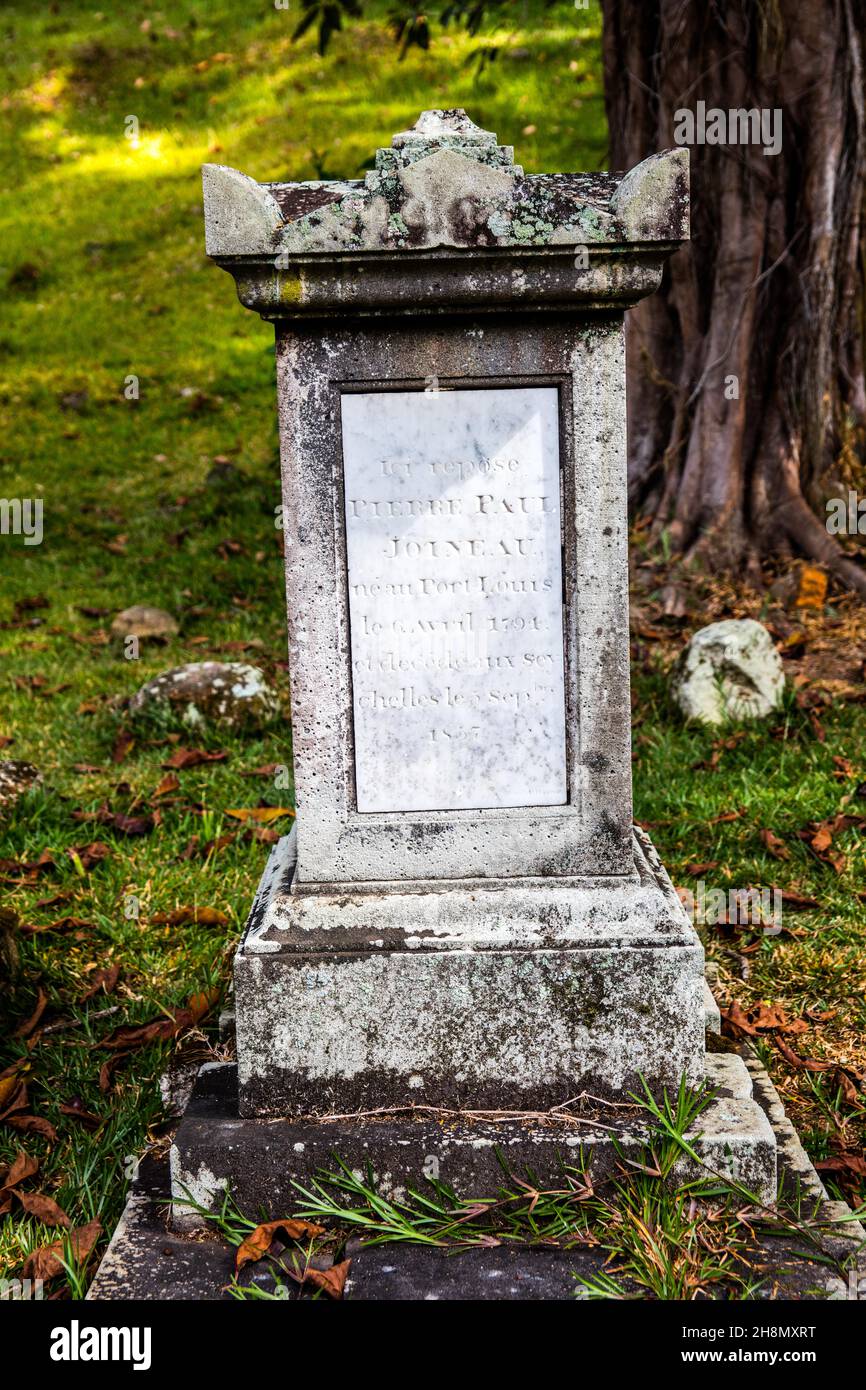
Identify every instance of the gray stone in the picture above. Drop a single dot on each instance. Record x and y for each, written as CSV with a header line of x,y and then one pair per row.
x,y
228,694
712,1013
313,249
727,1074
143,621
226,1025
465,910
729,670
356,276
465,923
533,990
258,1161
445,183
591,833
16,778
454,957
379,1275
146,1259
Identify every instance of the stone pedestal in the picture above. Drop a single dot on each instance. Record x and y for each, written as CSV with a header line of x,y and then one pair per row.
x,y
485,993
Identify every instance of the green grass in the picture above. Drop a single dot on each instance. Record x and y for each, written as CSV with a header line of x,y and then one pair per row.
x,y
103,275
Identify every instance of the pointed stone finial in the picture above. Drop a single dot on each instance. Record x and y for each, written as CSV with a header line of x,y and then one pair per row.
x,y
449,129
434,126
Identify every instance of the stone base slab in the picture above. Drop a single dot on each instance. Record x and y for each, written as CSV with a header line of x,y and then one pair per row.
x,y
505,994
150,1258
257,1160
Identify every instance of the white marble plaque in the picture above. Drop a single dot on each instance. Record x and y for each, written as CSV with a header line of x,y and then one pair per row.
x,y
455,598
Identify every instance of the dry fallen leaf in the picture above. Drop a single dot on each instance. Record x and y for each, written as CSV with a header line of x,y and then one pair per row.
x,y
777,847
202,916
89,855
843,769
201,1003
104,980
263,834
850,1091
13,1092
76,1111
105,1073
60,924
760,1018
45,1209
795,902
259,1242
47,1262
128,1036
53,900
813,588
799,1063
123,743
822,839
22,1167
263,815
331,1281
33,1124
169,783
192,757
843,1163
25,1029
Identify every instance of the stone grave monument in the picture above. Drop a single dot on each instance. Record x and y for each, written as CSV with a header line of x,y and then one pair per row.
x,y
465,918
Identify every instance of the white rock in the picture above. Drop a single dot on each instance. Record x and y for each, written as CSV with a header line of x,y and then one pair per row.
x,y
212,692
16,778
729,670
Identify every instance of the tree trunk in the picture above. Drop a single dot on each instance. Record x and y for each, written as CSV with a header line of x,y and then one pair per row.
x,y
746,369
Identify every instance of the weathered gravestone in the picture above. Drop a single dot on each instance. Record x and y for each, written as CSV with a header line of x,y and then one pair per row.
x,y
465,934
465,917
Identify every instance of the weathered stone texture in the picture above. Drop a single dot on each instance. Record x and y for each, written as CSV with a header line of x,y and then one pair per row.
x,y
518,994
729,670
232,694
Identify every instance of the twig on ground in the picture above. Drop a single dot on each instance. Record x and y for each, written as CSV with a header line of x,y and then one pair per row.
x,y
66,1024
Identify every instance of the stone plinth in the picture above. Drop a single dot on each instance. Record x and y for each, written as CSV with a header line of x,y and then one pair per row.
x,y
510,994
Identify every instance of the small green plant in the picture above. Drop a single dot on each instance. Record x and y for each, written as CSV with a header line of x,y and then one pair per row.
x,y
674,1118
340,1195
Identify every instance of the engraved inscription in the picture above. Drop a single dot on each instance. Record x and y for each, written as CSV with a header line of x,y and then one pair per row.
x,y
455,598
